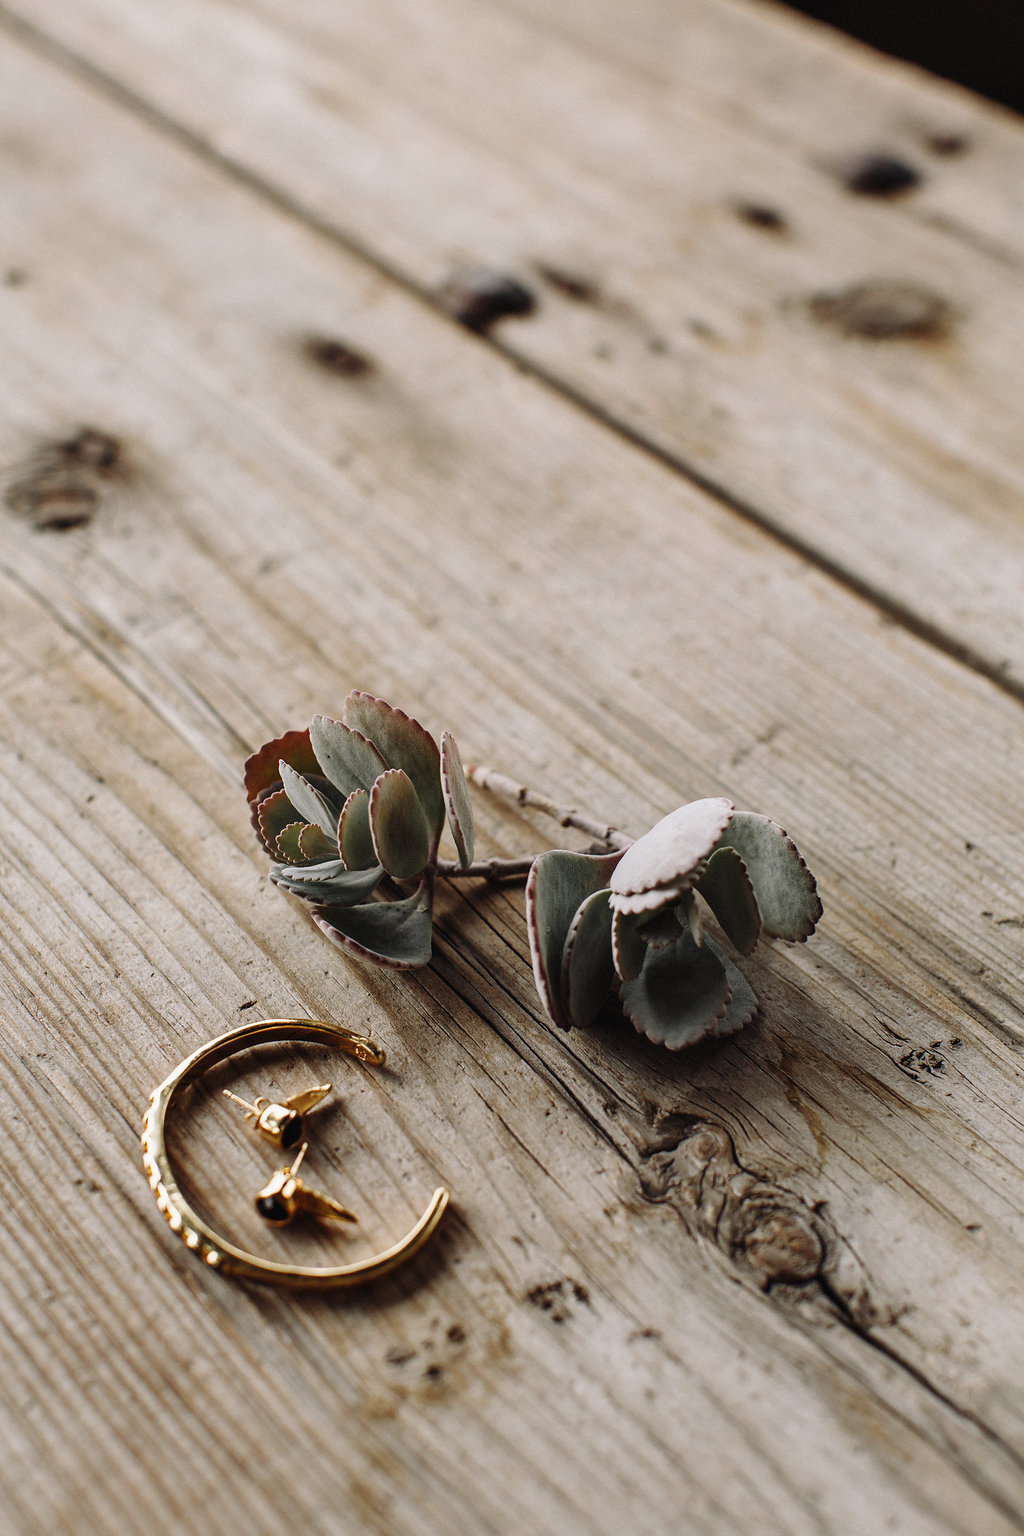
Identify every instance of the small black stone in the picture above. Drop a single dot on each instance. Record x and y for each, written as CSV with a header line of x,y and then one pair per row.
x,y
291,1132
273,1209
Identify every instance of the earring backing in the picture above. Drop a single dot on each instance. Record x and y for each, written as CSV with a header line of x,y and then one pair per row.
x,y
207,1244
286,1197
281,1123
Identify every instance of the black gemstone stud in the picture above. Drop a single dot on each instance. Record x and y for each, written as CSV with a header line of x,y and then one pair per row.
x,y
273,1209
291,1132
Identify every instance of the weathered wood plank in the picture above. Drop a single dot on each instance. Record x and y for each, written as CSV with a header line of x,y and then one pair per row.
x,y
486,137
446,531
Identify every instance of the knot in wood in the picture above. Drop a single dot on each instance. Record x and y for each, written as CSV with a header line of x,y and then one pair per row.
x,y
777,1241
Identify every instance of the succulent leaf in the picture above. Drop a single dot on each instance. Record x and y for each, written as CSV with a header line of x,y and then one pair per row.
x,y
783,886
308,801
664,927
456,798
558,884
403,743
401,837
346,757
628,948
647,901
392,933
314,845
725,886
355,841
261,769
289,843
273,813
587,960
680,995
743,1004
328,882
674,848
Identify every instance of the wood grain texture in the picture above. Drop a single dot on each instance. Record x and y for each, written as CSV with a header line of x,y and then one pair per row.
x,y
768,1286
493,137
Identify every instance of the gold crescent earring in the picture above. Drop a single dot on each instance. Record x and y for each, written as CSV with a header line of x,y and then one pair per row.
x,y
207,1244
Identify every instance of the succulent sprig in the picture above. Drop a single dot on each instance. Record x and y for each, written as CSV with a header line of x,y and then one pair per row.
x,y
352,812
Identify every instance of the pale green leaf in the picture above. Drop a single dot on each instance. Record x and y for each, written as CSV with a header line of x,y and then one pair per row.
x,y
401,837
587,960
289,842
783,885
679,996
392,933
273,813
347,758
315,845
725,886
308,800
403,743
558,884
355,841
743,1004
456,797
671,852
328,882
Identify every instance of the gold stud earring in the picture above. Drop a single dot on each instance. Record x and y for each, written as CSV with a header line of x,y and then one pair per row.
x,y
286,1197
283,1124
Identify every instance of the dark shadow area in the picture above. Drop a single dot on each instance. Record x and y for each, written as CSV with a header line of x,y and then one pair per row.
x,y
979,43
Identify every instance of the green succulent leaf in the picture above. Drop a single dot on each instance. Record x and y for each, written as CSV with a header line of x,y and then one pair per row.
x,y
403,743
671,853
401,837
348,759
783,886
646,902
262,772
725,886
743,1004
680,994
628,948
328,882
355,841
273,813
456,798
664,928
558,884
314,845
392,933
289,843
587,960
308,801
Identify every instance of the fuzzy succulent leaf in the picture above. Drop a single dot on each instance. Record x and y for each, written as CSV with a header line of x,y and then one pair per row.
x,y
725,886
456,798
348,759
628,947
401,837
680,994
391,933
355,841
314,844
308,801
328,882
273,813
587,960
289,843
558,884
403,743
646,902
262,772
671,853
743,1004
784,887
664,928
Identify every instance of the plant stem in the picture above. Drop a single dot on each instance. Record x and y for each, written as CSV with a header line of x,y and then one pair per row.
x,y
500,784
486,869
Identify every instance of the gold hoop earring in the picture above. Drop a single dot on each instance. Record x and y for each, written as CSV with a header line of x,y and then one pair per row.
x,y
196,1234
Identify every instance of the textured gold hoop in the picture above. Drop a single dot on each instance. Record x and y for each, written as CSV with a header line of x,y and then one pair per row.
x,y
205,1243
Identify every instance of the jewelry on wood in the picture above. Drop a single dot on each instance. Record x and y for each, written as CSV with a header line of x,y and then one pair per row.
x,y
287,1196
283,1124
208,1245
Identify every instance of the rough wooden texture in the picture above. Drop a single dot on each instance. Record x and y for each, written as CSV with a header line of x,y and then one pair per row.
x,y
877,430
768,1286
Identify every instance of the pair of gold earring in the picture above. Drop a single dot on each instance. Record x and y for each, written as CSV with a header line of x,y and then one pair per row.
x,y
286,1195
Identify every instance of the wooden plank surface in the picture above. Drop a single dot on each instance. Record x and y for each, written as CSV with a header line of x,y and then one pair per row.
x,y
491,137
449,532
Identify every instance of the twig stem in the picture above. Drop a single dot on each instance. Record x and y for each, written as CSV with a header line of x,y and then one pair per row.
x,y
500,784
486,869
